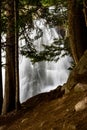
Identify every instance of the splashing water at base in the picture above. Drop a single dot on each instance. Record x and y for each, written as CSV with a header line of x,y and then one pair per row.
x,y
42,77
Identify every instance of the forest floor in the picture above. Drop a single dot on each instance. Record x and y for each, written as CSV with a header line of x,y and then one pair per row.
x,y
48,111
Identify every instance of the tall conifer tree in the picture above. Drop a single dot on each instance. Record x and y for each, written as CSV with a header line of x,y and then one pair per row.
x,y
1,97
9,96
16,16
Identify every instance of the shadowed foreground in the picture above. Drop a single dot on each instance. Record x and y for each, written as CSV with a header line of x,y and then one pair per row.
x,y
48,111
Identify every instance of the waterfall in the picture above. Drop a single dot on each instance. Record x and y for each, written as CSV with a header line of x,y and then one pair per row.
x,y
42,76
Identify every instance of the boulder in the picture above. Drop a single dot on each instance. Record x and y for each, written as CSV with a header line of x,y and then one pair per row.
x,y
81,105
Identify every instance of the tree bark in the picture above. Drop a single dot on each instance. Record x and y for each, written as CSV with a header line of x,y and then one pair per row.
x,y
9,97
79,73
16,14
85,10
77,29
1,95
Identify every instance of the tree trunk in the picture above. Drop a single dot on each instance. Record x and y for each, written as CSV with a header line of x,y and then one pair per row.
x,y
79,74
85,10
77,29
1,96
9,98
16,14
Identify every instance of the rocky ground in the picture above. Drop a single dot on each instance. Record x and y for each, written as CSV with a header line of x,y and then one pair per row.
x,y
53,110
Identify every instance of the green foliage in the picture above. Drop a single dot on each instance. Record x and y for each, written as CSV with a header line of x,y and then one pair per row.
x,y
53,2
54,17
28,9
25,12
54,51
31,2
3,18
59,48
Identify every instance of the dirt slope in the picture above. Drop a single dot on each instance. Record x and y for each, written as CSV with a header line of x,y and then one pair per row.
x,y
48,111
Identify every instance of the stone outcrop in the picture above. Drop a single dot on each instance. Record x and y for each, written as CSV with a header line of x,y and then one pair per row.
x,y
79,73
81,105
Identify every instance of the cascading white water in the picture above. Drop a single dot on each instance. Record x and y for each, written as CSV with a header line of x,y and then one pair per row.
x,y
42,76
